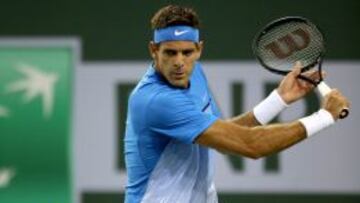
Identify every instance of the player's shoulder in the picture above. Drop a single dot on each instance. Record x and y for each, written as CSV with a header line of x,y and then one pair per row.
x,y
156,96
168,98
198,71
198,67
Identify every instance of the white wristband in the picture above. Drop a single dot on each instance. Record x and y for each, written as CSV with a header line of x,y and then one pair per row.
x,y
317,121
269,108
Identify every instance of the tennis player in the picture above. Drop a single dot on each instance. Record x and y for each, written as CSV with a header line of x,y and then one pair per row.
x,y
173,120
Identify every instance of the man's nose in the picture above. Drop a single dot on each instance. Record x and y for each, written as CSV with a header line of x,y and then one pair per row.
x,y
179,60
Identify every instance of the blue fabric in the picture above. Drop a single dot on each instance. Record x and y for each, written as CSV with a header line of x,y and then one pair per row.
x,y
176,33
158,114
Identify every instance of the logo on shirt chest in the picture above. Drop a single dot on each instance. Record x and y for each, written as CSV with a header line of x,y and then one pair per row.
x,y
207,107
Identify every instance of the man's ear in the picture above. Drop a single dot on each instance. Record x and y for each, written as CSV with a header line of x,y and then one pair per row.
x,y
153,48
199,47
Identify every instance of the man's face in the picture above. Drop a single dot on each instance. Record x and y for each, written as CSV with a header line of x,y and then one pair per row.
x,y
175,60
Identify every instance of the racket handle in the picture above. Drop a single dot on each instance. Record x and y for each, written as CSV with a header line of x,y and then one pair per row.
x,y
324,89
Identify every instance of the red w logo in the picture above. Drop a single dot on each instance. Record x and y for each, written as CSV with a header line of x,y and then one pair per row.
x,y
291,44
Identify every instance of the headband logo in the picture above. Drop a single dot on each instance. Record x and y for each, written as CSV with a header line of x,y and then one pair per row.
x,y
179,32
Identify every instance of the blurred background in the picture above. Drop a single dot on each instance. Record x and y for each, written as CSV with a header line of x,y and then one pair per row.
x,y
67,68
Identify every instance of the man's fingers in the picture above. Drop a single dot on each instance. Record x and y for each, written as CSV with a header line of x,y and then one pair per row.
x,y
314,74
297,68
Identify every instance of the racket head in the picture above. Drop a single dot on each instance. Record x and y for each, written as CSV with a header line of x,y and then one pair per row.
x,y
284,41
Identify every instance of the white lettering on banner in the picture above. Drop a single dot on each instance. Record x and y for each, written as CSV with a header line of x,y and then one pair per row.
x,y
4,112
6,175
35,83
325,163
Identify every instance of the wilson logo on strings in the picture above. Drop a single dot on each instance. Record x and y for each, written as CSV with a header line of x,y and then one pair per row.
x,y
291,42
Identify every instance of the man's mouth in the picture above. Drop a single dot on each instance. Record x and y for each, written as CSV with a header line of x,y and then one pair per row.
x,y
178,74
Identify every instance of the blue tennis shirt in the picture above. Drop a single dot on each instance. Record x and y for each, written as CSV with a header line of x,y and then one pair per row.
x,y
163,162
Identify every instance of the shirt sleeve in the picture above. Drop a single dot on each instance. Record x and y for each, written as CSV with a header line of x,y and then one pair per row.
x,y
176,116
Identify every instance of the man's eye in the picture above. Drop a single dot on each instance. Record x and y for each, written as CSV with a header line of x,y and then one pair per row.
x,y
188,52
170,52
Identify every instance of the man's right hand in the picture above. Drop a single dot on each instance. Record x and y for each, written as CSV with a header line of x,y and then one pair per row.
x,y
335,102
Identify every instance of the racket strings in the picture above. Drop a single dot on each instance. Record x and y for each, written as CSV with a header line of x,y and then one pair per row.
x,y
283,45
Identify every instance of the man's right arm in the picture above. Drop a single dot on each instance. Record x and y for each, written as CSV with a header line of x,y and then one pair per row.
x,y
252,142
259,141
247,119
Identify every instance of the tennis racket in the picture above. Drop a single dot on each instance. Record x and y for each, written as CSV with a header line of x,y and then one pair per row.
x,y
287,40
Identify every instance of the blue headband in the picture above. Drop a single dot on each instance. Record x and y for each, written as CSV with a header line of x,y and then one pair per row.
x,y
176,33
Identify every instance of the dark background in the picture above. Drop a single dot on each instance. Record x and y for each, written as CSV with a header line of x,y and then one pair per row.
x,y
120,30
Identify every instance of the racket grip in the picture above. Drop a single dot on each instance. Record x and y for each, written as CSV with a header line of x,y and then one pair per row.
x,y
324,89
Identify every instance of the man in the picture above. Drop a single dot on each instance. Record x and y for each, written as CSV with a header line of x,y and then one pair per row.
x,y
173,119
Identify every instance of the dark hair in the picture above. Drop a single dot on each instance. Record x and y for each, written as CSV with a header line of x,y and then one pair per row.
x,y
175,15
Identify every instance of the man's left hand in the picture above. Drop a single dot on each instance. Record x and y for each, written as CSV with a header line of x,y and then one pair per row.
x,y
292,88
